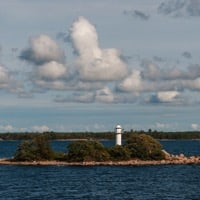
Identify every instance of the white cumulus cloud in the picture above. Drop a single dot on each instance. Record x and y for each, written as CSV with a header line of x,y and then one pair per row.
x,y
51,70
94,63
168,96
134,83
43,49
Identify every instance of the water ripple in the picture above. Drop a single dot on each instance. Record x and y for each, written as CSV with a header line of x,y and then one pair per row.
x,y
100,182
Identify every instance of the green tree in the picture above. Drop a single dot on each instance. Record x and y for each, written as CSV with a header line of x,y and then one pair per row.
x,y
25,152
36,149
144,147
80,151
118,153
43,148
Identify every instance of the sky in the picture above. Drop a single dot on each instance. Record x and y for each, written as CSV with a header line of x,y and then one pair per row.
x,y
90,65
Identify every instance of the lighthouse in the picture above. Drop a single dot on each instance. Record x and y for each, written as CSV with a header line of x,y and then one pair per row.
x,y
118,133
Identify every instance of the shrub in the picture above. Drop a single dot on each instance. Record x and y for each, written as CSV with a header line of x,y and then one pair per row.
x,y
36,149
25,152
118,153
59,156
80,151
144,147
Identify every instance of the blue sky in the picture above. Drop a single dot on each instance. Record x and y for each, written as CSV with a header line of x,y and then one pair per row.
x,y
89,65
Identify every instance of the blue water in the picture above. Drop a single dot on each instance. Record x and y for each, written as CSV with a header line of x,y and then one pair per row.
x,y
101,182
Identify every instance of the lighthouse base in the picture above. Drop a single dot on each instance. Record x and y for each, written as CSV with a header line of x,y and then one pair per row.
x,y
118,139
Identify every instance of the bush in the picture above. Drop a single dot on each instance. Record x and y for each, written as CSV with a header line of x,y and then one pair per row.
x,y
59,156
36,149
144,147
118,153
25,152
81,151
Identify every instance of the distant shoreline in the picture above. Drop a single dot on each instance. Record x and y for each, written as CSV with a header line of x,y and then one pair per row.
x,y
83,139
159,135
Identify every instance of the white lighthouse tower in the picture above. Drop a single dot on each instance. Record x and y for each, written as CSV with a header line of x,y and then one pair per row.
x,y
118,132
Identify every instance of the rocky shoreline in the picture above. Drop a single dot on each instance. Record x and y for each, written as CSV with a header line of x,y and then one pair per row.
x,y
169,160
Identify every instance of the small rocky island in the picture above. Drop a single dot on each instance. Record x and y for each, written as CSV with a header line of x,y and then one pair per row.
x,y
139,149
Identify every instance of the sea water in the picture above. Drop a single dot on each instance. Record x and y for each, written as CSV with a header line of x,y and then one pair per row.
x,y
170,182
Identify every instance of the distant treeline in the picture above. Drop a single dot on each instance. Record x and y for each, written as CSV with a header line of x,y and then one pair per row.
x,y
57,135
100,135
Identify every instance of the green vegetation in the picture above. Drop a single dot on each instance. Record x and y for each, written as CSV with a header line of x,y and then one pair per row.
x,y
58,135
87,151
37,149
144,147
118,153
100,135
139,146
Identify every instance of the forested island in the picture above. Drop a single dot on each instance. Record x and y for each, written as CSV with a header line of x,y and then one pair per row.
x,y
138,149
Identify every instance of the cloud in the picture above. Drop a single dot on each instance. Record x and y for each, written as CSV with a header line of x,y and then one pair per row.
x,y
171,6
180,8
5,78
105,95
187,54
165,97
41,129
158,59
160,125
93,67
42,49
152,71
50,75
49,85
132,83
80,97
94,63
50,68
101,74
137,14
195,126
7,128
7,81
193,71
62,36
51,71
193,85
193,8
156,84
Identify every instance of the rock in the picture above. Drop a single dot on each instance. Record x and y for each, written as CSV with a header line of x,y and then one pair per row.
x,y
163,162
182,155
166,154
